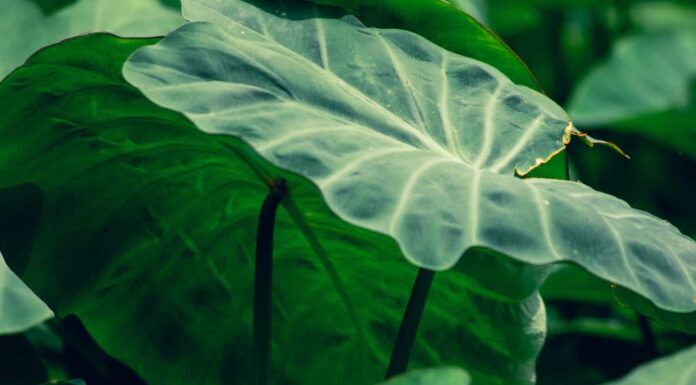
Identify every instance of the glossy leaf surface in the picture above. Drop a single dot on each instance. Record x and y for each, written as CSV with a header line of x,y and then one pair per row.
x,y
25,28
454,25
143,213
406,139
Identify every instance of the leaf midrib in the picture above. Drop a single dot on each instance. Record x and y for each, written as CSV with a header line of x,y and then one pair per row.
x,y
428,142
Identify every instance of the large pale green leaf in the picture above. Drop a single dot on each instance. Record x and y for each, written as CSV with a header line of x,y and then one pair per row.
x,y
20,309
454,25
439,376
146,230
677,369
409,140
442,22
25,28
646,87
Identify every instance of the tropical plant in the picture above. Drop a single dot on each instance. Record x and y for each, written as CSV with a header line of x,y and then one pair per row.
x,y
305,193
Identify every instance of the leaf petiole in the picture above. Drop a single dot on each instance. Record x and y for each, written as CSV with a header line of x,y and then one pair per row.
x,y
401,353
263,282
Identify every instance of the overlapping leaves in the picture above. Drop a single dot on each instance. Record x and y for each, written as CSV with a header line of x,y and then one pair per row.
x,y
445,24
140,210
677,369
20,309
143,213
647,88
408,140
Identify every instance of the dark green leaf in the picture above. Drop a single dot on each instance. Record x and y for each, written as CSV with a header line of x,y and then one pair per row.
x,y
51,6
342,121
680,321
577,285
145,214
444,24
475,8
571,283
175,4
562,3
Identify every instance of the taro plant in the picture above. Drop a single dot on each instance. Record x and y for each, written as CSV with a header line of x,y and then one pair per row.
x,y
300,194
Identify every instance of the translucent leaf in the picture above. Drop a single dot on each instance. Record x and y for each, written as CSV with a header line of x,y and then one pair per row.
x,y
409,140
20,308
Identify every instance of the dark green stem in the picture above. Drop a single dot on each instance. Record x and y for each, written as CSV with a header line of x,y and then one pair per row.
x,y
648,336
262,282
401,352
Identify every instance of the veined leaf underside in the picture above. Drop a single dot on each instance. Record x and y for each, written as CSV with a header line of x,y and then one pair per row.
x,y
407,139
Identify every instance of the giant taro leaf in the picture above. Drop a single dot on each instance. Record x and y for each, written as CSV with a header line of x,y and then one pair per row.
x,y
647,87
444,23
145,229
25,28
677,369
448,24
409,140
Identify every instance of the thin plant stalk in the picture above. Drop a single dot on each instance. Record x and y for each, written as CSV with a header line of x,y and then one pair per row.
x,y
406,336
263,283
648,336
